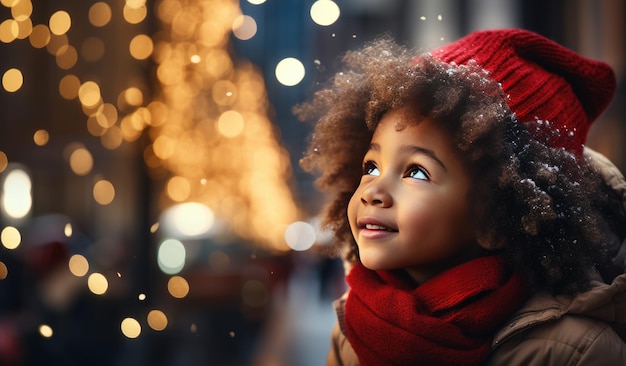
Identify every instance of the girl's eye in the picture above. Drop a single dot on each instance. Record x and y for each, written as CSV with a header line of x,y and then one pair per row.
x,y
369,168
417,172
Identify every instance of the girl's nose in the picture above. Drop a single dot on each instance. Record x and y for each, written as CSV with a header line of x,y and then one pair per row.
x,y
376,195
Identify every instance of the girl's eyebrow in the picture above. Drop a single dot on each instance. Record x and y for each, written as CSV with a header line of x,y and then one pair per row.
x,y
413,149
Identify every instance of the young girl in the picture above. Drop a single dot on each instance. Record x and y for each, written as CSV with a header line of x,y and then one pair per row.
x,y
476,226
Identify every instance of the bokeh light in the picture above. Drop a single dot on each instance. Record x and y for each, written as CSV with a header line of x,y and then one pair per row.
x,y
130,327
290,71
17,198
157,320
300,235
99,14
60,22
4,271
178,287
45,331
81,161
103,192
141,47
41,137
325,12
171,256
97,283
11,237
244,27
78,265
189,219
12,80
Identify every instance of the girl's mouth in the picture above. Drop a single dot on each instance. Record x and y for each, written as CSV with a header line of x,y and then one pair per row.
x,y
377,227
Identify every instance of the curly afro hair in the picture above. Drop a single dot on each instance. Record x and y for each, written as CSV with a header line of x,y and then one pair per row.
x,y
542,206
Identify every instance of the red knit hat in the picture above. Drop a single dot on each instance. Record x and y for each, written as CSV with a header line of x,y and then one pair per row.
x,y
543,80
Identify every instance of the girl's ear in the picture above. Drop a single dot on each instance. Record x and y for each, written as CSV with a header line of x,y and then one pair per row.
x,y
489,240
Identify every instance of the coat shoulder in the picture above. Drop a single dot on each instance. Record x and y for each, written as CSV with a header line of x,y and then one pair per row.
x,y
570,340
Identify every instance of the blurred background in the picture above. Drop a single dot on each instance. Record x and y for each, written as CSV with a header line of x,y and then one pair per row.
x,y
152,210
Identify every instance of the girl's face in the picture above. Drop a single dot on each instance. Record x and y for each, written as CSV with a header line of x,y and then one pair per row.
x,y
410,210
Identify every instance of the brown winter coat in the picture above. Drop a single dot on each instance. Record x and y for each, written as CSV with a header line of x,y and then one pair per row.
x,y
549,330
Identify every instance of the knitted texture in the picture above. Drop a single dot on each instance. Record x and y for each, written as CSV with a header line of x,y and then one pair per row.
x,y
544,81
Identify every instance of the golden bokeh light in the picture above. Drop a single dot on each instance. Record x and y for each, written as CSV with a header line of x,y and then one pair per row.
x,y
97,283
141,47
21,10
135,4
89,94
106,115
68,230
40,36
9,29
41,137
4,271
46,331
131,97
78,265
157,320
60,22
112,138
130,327
178,287
24,28
10,237
68,87
134,15
66,57
4,161
178,188
56,42
103,192
12,80
81,161
99,14
230,124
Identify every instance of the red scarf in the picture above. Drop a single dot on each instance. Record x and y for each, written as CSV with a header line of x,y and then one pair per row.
x,y
448,320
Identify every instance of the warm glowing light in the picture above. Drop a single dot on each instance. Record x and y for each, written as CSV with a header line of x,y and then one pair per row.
x,y
190,219
256,2
78,265
66,57
99,14
171,256
41,137
106,115
178,287
135,15
133,96
141,297
103,192
244,27
130,328
300,235
157,320
60,22
21,10
290,71
67,230
230,123
45,331
17,199
97,283
112,138
68,87
4,161
89,93
4,271
136,4
10,237
12,80
178,188
39,36
325,12
9,29
141,47
81,161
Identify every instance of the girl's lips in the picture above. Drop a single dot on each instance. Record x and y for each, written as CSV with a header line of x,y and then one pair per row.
x,y
374,229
